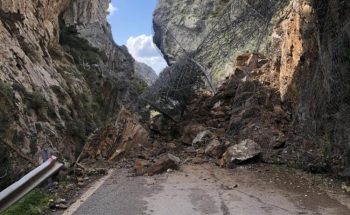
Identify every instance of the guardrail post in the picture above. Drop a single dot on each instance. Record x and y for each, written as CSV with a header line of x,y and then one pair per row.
x,y
26,184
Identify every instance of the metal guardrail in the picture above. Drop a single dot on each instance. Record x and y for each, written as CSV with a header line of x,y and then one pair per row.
x,y
19,189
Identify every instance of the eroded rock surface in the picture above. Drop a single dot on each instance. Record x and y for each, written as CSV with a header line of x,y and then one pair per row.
x,y
145,73
62,76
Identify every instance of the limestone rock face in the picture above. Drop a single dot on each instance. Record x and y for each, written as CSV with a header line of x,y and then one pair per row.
x,y
61,77
145,73
215,30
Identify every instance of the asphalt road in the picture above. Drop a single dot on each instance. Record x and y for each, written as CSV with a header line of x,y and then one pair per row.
x,y
207,189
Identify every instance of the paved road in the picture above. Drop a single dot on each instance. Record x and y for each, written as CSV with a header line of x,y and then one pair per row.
x,y
206,189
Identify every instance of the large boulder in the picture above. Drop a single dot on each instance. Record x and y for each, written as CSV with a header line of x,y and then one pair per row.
x,y
242,152
164,163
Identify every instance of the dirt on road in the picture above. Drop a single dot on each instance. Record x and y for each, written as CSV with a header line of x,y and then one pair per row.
x,y
206,189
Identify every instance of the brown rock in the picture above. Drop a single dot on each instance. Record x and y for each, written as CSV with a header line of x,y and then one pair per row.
x,y
220,132
198,160
141,166
242,60
61,206
172,145
121,137
202,138
215,148
166,162
190,132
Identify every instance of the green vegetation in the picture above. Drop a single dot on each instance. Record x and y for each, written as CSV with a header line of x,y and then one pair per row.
x,y
61,95
6,90
140,85
76,129
35,203
36,101
6,106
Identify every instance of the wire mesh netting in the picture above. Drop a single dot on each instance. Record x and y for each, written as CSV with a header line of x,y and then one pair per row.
x,y
240,25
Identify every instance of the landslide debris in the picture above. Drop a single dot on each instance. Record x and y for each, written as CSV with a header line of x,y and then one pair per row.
x,y
243,121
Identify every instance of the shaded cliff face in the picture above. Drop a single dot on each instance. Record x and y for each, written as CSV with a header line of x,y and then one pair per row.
x,y
312,60
215,32
61,77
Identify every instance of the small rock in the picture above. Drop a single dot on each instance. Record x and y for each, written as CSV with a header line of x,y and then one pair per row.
x,y
220,132
61,206
141,166
61,201
217,105
225,187
200,151
202,138
215,148
198,160
345,188
171,146
190,132
70,187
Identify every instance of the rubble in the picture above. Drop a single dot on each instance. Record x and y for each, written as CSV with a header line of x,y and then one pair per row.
x,y
121,137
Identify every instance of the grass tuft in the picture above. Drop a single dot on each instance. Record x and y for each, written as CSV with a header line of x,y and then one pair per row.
x,y
34,203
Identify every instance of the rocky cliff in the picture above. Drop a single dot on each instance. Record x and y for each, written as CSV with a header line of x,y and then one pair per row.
x,y
61,77
215,32
306,44
145,73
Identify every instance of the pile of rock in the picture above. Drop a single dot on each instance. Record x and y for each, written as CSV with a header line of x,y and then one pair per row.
x,y
124,136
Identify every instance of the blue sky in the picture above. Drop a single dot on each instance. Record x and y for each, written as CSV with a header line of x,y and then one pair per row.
x,y
131,22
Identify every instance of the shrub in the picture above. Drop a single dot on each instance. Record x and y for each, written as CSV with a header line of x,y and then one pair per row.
x,y
36,101
6,90
140,85
61,95
64,114
76,129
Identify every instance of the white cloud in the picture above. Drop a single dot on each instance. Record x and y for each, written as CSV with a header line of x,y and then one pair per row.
x,y
111,9
144,50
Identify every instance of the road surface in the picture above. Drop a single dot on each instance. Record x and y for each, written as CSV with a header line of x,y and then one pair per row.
x,y
207,189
